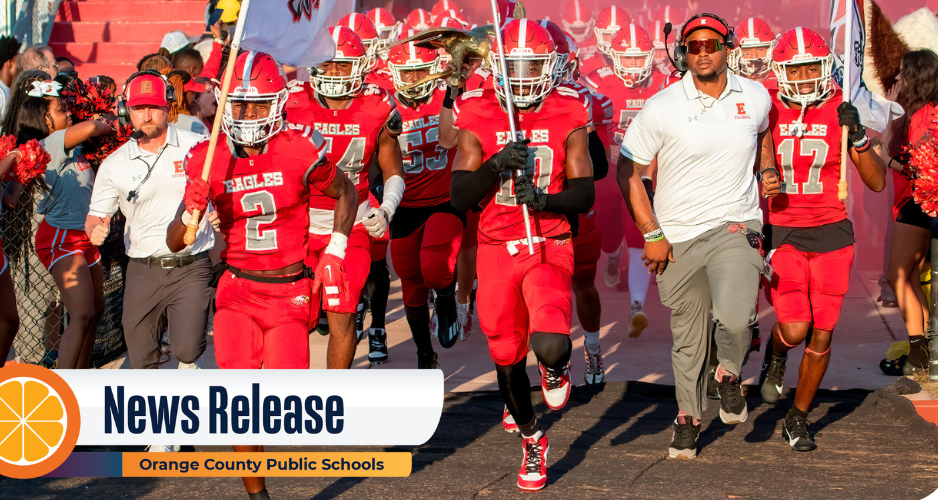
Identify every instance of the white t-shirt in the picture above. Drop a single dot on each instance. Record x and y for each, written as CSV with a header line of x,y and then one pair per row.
x,y
154,207
706,152
192,124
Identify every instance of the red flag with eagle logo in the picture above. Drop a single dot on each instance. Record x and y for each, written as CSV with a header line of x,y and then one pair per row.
x,y
291,31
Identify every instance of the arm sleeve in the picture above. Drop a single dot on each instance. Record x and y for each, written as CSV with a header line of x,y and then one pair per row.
x,y
213,65
598,156
104,195
468,188
577,197
644,137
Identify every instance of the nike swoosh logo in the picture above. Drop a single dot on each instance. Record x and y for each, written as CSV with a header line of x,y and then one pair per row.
x,y
779,388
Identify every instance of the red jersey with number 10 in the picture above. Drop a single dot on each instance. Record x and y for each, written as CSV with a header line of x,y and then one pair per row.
x,y
351,134
562,111
808,156
262,201
427,166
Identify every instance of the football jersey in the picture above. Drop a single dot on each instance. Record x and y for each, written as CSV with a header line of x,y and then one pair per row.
x,y
381,77
561,112
810,164
427,166
627,102
480,79
351,134
770,82
262,201
590,58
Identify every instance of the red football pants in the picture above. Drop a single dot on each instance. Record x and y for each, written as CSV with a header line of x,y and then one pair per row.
x,y
523,293
426,259
263,324
810,286
357,263
587,244
613,217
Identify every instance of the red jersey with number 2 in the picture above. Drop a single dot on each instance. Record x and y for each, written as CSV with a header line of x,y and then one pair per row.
x,y
627,101
427,166
262,201
808,156
351,134
561,112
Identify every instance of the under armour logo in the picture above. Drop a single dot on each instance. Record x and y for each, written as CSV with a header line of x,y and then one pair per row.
x,y
692,118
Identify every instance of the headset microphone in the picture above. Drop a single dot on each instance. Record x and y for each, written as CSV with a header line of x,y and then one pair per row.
x,y
667,50
137,135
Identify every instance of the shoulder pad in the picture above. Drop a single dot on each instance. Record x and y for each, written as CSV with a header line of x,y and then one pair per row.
x,y
395,123
567,91
471,94
295,86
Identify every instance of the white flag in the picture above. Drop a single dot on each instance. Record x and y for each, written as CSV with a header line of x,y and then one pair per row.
x,y
848,48
292,31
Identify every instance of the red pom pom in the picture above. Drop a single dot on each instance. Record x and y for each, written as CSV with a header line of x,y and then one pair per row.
x,y
7,144
32,163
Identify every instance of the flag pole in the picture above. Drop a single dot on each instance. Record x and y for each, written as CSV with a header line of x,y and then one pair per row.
x,y
848,61
509,104
193,227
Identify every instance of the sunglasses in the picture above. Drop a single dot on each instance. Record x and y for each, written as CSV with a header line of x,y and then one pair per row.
x,y
708,45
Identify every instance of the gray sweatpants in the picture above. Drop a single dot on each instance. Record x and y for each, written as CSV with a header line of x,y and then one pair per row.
x,y
155,297
714,277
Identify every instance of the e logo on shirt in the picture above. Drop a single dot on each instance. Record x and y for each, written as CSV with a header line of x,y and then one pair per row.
x,y
740,108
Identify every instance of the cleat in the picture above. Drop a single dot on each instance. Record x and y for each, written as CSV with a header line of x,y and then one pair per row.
x,y
555,386
637,320
323,327
772,378
732,403
595,372
360,318
377,346
684,438
447,320
508,422
795,433
533,474
464,320
611,270
893,367
427,361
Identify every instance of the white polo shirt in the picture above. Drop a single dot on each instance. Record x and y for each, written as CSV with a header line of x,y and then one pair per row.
x,y
706,152
154,207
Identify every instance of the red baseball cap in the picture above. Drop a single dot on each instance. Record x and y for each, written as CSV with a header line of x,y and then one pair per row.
x,y
703,22
147,90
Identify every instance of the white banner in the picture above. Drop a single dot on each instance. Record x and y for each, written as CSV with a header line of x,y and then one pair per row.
x,y
291,31
253,407
847,49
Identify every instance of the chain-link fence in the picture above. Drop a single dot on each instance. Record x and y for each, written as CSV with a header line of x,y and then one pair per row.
x,y
38,301
32,20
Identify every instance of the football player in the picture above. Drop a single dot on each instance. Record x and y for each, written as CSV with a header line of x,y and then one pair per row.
x,y
419,19
524,300
609,22
809,235
577,20
629,82
441,7
752,57
263,174
359,121
426,233
384,23
376,69
659,17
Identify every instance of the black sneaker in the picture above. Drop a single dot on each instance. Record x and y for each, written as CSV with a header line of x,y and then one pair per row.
x,y
772,378
448,319
732,403
377,346
795,432
427,361
893,367
360,318
713,387
323,327
684,438
917,361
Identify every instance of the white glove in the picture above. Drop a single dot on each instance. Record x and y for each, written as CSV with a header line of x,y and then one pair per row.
x,y
214,221
100,232
377,220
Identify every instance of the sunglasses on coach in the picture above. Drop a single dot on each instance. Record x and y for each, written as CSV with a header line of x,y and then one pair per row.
x,y
708,45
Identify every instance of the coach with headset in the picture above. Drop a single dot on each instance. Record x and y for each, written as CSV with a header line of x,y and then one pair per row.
x,y
709,133
145,179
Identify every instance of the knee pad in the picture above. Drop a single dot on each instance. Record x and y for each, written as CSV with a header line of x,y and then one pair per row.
x,y
552,349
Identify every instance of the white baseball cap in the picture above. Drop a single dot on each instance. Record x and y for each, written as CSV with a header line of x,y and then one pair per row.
x,y
174,41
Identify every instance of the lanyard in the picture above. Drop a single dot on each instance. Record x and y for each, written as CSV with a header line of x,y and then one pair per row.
x,y
136,191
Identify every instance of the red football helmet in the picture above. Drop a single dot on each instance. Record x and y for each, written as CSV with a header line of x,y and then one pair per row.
x,y
449,22
633,53
448,13
402,31
408,58
530,55
577,20
798,47
755,42
365,29
443,5
562,71
573,63
661,16
420,19
506,10
384,23
610,21
262,80
348,49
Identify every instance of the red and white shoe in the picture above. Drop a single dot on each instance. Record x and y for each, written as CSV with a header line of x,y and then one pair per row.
x,y
555,385
533,474
508,422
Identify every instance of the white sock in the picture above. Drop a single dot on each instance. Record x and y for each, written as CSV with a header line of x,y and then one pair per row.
x,y
617,252
591,340
638,276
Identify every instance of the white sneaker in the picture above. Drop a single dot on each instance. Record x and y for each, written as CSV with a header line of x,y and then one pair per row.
x,y
160,448
197,365
637,320
595,372
464,319
611,271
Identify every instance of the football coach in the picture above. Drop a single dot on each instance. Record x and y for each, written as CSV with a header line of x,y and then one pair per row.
x,y
708,132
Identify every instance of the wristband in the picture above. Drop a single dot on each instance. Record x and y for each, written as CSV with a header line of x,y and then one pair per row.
x,y
448,101
656,235
862,143
863,148
337,245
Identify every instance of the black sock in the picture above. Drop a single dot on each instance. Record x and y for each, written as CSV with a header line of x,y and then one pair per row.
x,y
515,388
377,289
419,320
260,495
795,412
529,429
449,290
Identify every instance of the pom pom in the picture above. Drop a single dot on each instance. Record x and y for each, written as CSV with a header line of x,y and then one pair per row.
x,y
32,162
923,164
7,144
